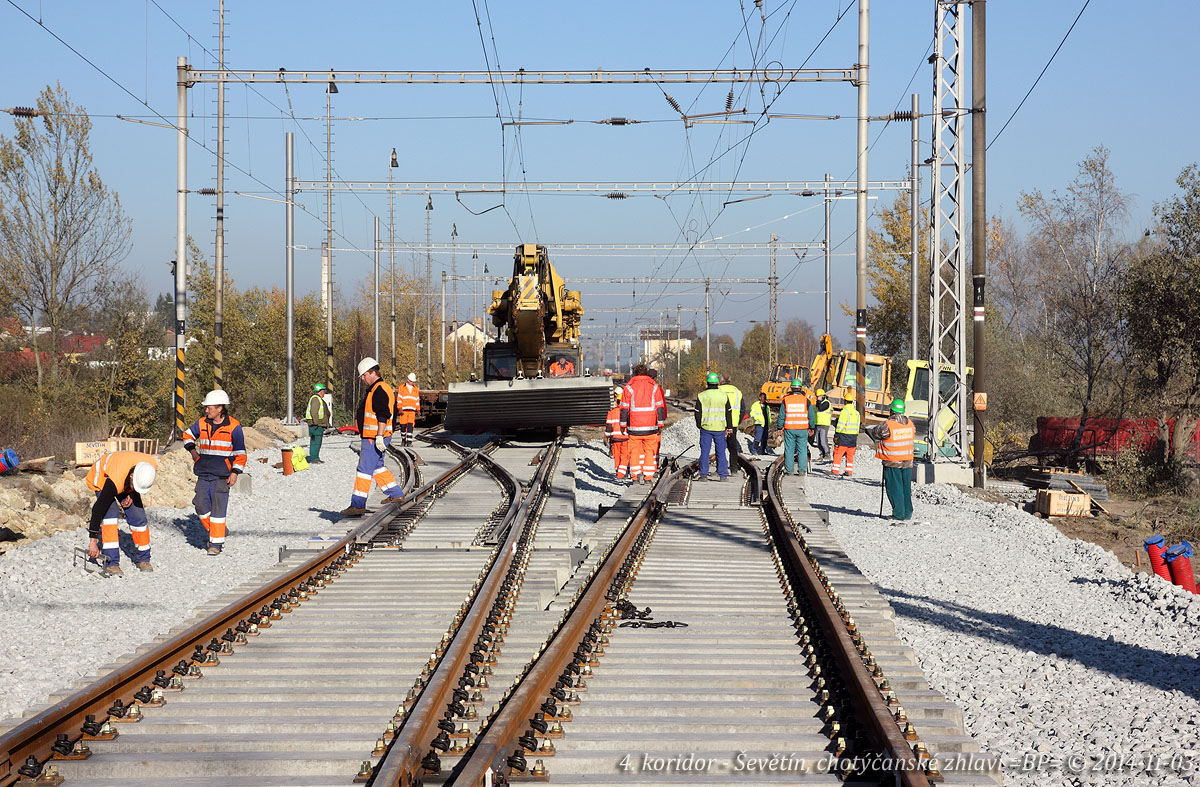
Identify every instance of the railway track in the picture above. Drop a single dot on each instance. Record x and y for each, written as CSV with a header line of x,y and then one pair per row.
x,y
712,633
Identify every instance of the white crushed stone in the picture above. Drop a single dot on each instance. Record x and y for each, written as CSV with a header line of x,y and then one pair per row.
x,y
59,623
1048,644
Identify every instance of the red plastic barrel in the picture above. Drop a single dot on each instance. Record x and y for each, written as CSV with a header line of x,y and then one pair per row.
x,y
1155,547
1179,562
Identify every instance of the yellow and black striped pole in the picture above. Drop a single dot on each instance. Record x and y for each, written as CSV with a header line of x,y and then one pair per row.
x,y
180,391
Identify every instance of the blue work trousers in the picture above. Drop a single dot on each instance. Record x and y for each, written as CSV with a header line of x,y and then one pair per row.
x,y
759,446
707,441
795,450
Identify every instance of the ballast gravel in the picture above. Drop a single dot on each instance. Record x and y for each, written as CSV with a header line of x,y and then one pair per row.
x,y
59,623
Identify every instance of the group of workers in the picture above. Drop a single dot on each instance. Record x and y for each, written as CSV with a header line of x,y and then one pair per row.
x,y
633,428
120,478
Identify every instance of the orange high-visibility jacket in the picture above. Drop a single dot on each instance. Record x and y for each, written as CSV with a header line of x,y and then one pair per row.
x,y
116,467
372,423
643,409
898,445
795,408
408,398
613,429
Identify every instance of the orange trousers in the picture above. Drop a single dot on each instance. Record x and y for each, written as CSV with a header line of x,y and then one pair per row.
x,y
838,452
642,458
620,455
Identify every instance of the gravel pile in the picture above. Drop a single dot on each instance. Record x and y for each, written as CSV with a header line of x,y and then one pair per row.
x,y
59,622
1049,645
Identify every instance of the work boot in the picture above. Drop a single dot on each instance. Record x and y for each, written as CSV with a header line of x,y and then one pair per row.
x,y
112,571
145,566
213,549
353,511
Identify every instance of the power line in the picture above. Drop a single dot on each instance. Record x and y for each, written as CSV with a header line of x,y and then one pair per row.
x,y
1039,76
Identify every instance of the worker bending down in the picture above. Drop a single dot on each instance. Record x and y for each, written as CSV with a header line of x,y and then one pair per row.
x,y
218,450
374,419
643,414
408,407
614,433
119,480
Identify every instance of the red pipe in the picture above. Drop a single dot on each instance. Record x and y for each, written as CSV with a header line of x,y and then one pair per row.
x,y
1179,559
1155,546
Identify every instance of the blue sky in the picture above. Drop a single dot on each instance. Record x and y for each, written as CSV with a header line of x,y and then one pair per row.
x,y
1092,95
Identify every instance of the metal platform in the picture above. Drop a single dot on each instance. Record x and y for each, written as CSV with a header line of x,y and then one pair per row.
x,y
529,403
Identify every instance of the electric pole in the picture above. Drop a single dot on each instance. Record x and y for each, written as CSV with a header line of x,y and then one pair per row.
x,y
773,307
219,255
979,220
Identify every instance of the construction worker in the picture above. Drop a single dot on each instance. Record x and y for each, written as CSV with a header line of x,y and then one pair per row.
x,y
738,406
320,417
653,375
119,480
218,450
794,418
643,414
760,415
614,435
895,447
374,420
408,407
714,416
562,367
845,438
824,413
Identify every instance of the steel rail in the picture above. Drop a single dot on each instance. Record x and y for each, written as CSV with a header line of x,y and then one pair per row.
x,y
870,708
402,763
36,737
489,756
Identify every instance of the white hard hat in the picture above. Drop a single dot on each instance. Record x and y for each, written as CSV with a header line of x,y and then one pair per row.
x,y
216,397
144,474
367,364
412,377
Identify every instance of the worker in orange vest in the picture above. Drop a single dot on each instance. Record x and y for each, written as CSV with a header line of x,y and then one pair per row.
x,y
119,480
218,449
562,367
374,420
643,414
794,419
614,434
407,408
895,447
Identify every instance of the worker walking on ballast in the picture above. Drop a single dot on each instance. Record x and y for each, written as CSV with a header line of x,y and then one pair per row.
x,y
119,480
643,414
895,438
845,437
714,416
374,420
794,418
614,433
218,450
408,407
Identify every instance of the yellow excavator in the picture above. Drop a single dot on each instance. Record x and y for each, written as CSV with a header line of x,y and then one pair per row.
x,y
835,372
534,378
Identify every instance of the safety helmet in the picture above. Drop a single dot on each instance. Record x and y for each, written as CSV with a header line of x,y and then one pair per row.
x,y
849,395
215,397
319,387
797,385
897,405
712,378
820,392
366,365
143,476
412,377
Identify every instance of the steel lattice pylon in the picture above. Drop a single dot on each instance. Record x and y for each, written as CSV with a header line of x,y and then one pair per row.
x,y
948,275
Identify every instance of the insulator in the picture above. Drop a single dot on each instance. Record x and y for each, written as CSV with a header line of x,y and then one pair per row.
x,y
30,112
729,101
616,195
904,115
674,104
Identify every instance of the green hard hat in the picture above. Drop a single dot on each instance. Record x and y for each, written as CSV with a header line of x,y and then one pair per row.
x,y
897,405
712,378
797,384
319,387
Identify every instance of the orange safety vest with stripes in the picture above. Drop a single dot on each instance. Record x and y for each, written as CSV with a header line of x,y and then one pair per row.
x,y
371,427
898,446
795,411
408,398
222,450
643,409
613,428
116,467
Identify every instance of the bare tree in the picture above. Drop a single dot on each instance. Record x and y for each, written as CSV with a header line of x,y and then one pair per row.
x,y
1081,259
62,232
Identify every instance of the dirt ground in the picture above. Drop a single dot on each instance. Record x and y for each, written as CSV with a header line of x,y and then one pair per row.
x,y
1127,524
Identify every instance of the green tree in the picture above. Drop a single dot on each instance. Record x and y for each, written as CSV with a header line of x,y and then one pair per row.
x,y
62,232
1160,306
888,272
133,384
